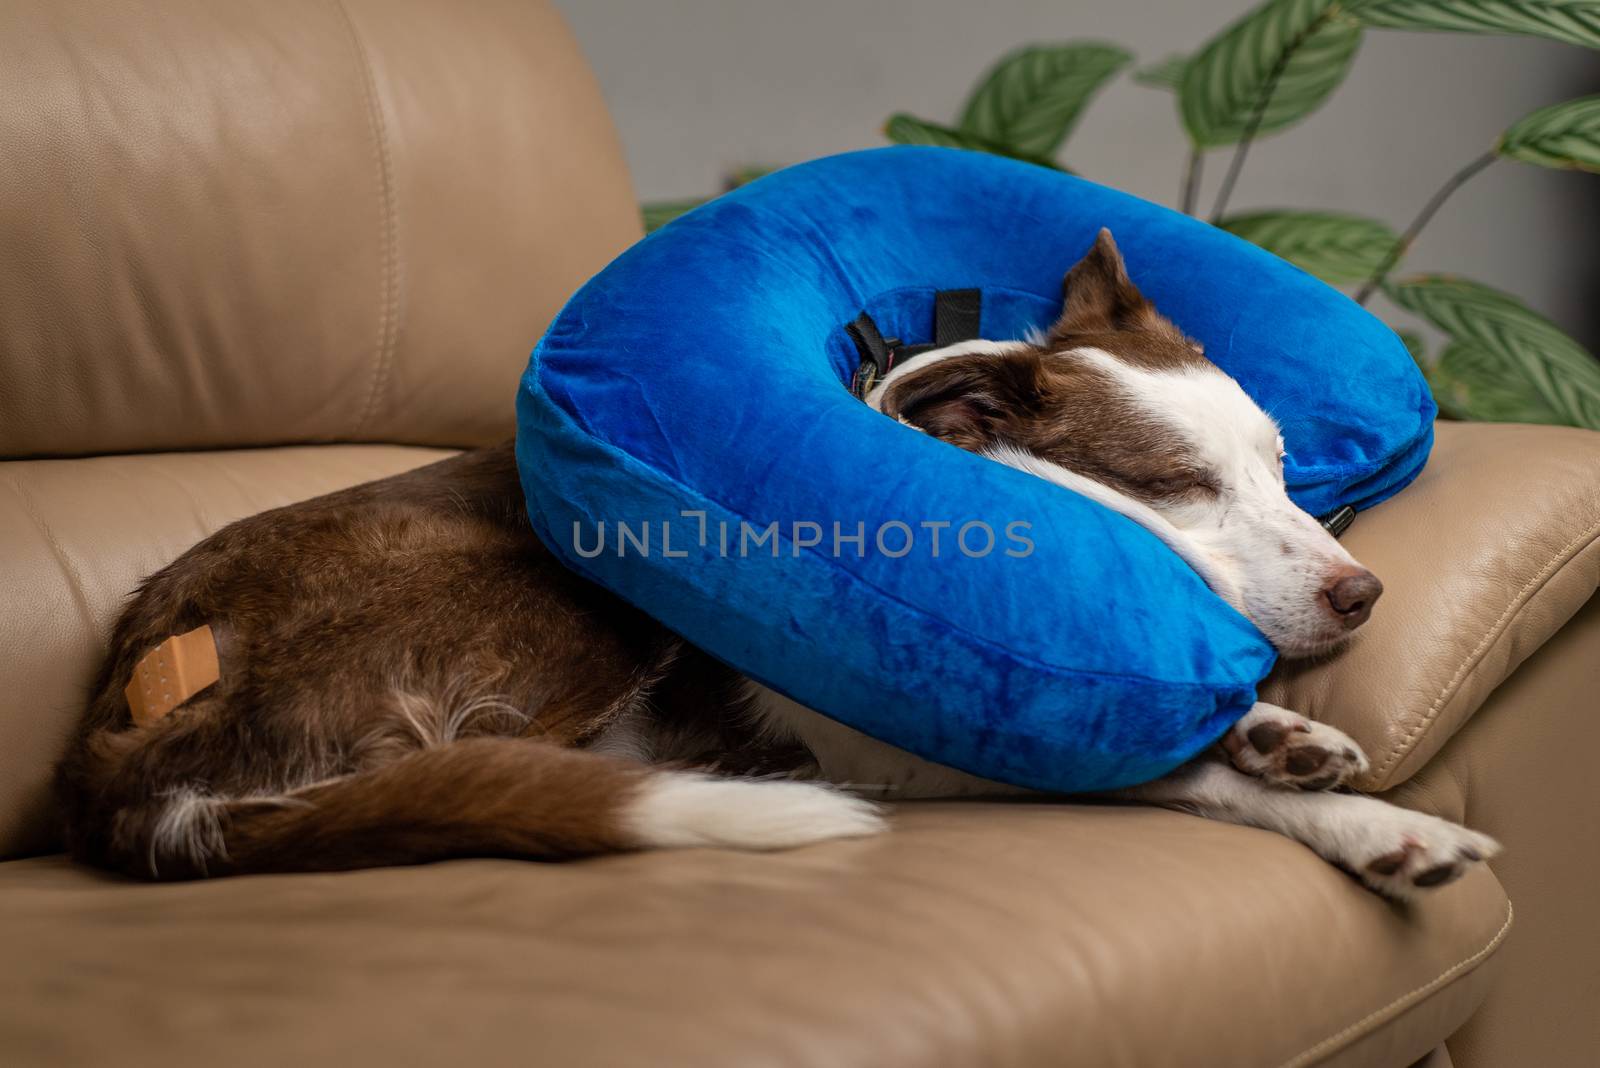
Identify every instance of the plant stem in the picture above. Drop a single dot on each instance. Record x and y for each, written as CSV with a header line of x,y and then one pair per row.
x,y
1191,180
1428,211
1242,149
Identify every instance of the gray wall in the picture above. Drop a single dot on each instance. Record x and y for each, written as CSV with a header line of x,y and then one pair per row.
x,y
700,86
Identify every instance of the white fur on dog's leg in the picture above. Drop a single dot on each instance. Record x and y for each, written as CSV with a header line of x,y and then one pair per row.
x,y
674,809
1395,851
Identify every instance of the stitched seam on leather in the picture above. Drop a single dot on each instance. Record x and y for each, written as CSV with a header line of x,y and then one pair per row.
x,y
389,291
1518,601
1367,1023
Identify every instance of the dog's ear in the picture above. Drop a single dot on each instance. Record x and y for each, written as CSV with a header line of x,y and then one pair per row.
x,y
1098,297
965,400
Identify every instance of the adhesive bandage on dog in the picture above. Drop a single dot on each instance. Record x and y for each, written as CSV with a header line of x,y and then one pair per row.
x,y
171,673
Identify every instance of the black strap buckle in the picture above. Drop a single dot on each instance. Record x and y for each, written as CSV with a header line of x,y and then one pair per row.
x,y
957,315
1338,521
876,354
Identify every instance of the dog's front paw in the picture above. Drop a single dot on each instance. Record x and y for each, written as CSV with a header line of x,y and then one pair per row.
x,y
1287,748
1407,852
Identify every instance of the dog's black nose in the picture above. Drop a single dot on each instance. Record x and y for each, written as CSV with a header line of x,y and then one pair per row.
x,y
1352,594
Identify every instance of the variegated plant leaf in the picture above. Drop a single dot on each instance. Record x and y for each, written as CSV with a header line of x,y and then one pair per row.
x,y
909,130
1298,51
1529,348
1565,135
1335,247
1168,74
1574,21
1031,99
1475,384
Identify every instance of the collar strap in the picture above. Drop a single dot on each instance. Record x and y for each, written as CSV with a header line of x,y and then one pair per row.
x,y
956,317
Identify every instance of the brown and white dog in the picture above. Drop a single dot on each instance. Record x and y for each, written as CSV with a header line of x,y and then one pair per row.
x,y
407,674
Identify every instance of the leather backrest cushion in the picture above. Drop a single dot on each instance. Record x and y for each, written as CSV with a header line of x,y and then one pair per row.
x,y
275,221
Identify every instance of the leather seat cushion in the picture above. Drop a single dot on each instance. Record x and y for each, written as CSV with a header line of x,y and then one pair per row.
x,y
76,536
974,933
1484,557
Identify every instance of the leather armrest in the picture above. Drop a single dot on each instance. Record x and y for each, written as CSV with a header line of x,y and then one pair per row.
x,y
1483,558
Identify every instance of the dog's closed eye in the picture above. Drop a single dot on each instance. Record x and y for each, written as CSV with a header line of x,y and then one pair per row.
x,y
1192,485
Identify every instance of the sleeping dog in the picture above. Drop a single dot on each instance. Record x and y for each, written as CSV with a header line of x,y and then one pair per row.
x,y
407,673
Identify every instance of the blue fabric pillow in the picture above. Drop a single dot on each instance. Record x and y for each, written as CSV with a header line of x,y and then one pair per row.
x,y
694,393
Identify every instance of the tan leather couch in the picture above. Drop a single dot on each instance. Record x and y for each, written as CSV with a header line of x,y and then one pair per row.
x,y
255,250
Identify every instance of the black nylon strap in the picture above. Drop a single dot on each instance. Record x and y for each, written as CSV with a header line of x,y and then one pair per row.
x,y
956,314
873,352
956,317
869,343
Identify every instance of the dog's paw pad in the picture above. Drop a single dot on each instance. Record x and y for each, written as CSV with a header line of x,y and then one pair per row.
x,y
1420,852
1305,759
1388,864
1291,750
1265,737
1438,875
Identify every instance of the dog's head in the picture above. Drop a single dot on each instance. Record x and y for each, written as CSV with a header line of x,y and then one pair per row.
x,y
1117,404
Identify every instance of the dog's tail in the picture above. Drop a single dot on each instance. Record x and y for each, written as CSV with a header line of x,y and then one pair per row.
x,y
477,796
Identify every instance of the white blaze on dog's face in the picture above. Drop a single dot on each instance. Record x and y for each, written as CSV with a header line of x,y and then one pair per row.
x,y
1115,403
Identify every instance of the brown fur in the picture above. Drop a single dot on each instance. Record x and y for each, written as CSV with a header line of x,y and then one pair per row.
x,y
408,674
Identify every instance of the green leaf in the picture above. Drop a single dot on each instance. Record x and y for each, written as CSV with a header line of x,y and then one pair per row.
x,y
1336,248
909,130
1031,99
658,213
1168,74
1469,383
1299,49
1472,383
1565,135
1443,392
1525,345
1574,21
